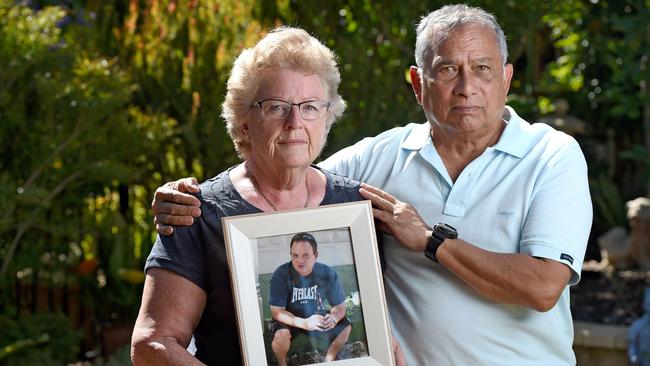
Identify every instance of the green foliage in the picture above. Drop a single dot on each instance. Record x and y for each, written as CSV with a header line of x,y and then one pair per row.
x,y
641,155
65,111
40,339
98,103
180,56
609,204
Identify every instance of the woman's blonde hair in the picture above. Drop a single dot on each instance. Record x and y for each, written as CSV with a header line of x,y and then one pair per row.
x,y
283,48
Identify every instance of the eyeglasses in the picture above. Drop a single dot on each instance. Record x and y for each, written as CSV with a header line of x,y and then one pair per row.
x,y
280,109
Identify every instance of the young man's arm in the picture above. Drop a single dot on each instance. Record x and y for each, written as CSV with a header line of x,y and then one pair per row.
x,y
314,322
335,315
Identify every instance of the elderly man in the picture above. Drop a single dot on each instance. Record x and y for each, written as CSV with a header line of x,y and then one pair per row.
x,y
478,266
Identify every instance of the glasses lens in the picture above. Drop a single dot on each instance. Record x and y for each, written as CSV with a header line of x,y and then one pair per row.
x,y
279,109
275,109
313,109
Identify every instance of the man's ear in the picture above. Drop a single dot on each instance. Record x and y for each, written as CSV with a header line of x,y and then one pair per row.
x,y
416,83
507,77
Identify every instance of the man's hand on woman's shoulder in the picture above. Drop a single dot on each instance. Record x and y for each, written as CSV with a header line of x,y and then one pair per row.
x,y
172,206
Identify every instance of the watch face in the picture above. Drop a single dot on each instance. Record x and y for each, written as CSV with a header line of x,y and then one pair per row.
x,y
447,230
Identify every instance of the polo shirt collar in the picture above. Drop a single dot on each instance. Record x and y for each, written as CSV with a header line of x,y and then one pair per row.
x,y
515,139
418,137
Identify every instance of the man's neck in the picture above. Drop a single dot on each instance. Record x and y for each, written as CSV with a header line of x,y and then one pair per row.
x,y
458,150
300,274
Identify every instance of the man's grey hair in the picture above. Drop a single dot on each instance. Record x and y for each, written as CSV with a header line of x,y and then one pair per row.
x,y
436,26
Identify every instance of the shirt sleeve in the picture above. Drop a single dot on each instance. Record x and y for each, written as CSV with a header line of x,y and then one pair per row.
x,y
278,288
336,295
182,253
559,219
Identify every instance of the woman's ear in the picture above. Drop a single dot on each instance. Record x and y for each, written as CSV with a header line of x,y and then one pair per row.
x,y
244,129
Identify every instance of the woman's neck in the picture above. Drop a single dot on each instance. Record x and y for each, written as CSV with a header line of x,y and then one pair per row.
x,y
282,195
278,180
268,190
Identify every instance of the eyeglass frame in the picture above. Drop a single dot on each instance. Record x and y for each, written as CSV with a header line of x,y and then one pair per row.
x,y
259,104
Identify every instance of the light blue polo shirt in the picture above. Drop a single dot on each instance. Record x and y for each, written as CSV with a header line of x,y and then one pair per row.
x,y
526,194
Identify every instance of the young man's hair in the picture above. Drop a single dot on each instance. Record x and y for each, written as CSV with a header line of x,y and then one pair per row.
x,y
305,237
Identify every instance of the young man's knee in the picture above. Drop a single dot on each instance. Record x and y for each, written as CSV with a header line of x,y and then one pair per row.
x,y
347,331
343,336
282,335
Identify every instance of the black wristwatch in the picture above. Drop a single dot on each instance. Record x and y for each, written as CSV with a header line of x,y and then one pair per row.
x,y
440,233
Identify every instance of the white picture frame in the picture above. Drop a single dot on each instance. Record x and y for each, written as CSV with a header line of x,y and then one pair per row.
x,y
242,233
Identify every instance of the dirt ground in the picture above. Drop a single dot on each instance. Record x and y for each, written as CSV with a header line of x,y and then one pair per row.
x,y
353,350
609,297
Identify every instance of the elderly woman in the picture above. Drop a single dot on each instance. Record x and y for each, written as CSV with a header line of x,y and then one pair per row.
x,y
281,102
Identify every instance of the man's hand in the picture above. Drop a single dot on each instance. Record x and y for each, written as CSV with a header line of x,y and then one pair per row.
x,y
315,322
330,321
397,218
173,207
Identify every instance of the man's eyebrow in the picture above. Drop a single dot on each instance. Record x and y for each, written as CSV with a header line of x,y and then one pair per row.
x,y
484,59
439,60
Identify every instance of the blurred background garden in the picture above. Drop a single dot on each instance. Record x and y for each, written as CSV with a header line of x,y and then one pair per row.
x,y
103,101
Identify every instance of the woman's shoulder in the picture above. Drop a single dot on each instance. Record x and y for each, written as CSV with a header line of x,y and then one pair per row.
x,y
339,181
322,270
282,271
214,187
219,193
340,188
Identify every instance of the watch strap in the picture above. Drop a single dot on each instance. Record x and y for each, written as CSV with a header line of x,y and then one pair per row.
x,y
432,246
439,233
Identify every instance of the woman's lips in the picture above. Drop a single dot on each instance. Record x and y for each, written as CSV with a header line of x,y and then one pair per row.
x,y
293,142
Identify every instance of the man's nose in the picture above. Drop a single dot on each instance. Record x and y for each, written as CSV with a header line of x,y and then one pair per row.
x,y
466,83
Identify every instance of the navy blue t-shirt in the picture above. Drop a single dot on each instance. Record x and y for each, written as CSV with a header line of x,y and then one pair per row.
x,y
304,296
197,252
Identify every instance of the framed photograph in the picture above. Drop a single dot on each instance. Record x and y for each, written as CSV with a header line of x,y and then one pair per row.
x,y
309,280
